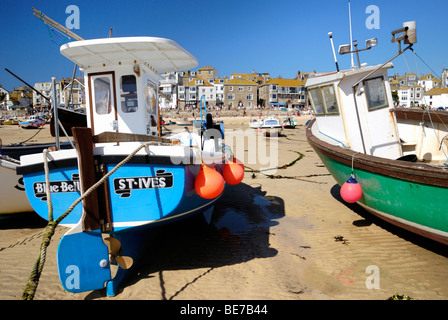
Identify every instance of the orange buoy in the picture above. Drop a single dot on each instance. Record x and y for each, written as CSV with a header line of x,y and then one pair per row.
x,y
351,191
209,184
233,172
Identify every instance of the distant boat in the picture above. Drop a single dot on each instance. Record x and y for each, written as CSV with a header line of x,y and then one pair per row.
x,y
184,122
269,125
289,123
392,162
33,122
10,121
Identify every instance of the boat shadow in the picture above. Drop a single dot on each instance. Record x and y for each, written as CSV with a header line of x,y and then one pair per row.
x,y
369,219
238,232
29,220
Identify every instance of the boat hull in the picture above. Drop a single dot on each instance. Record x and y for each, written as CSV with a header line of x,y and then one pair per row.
x,y
409,195
142,194
142,191
13,198
69,119
15,151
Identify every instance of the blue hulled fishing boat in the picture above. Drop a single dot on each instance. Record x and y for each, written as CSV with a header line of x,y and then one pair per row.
x,y
129,178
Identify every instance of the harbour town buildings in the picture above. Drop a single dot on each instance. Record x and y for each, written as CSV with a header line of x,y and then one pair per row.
x,y
188,89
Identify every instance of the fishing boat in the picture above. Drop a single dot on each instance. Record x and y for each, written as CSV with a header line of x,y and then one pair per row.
x,y
184,122
33,122
10,121
68,119
16,150
13,198
391,162
130,179
289,123
270,125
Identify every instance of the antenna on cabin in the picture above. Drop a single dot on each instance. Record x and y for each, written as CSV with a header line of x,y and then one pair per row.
x,y
351,37
334,53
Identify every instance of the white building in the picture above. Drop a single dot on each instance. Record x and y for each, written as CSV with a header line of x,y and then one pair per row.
x,y
206,89
45,89
437,97
428,82
168,89
410,96
219,89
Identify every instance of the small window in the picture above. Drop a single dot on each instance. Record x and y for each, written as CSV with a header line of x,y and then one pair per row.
x,y
375,93
323,100
316,101
103,96
128,93
331,105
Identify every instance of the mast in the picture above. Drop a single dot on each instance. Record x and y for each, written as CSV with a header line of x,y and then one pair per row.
x,y
56,25
351,37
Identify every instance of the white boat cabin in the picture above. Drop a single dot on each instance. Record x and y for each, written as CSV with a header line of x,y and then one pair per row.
x,y
354,111
122,78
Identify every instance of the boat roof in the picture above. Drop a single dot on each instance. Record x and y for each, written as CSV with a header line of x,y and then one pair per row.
x,y
158,54
334,76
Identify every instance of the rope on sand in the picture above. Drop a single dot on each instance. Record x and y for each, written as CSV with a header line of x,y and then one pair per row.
x,y
276,176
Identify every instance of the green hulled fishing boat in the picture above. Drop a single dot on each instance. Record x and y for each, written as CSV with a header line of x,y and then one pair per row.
x,y
396,157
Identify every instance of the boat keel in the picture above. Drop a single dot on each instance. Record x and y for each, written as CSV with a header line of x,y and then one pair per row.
x,y
83,262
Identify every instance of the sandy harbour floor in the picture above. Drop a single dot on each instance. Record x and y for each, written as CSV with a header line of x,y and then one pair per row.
x,y
286,238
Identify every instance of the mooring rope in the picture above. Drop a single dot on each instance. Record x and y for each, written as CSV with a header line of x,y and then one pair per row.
x,y
33,280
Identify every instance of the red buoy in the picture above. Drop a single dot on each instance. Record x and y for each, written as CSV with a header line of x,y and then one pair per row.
x,y
209,184
235,160
351,191
233,172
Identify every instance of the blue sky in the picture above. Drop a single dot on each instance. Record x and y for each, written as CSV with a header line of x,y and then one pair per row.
x,y
279,37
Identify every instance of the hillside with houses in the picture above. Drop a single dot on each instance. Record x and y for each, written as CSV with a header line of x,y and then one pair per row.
x,y
426,90
184,91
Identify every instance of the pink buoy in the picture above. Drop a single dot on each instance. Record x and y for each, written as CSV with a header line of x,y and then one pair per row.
x,y
351,191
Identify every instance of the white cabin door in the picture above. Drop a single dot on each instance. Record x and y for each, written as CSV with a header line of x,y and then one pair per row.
x,y
103,111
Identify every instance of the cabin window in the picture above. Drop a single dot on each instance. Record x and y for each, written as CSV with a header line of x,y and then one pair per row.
x,y
151,97
323,100
316,101
128,91
329,97
375,93
103,96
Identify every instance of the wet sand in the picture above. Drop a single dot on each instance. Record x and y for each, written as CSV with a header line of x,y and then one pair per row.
x,y
285,238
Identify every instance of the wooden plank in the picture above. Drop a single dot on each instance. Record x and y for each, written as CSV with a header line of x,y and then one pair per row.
x,y
106,137
91,219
